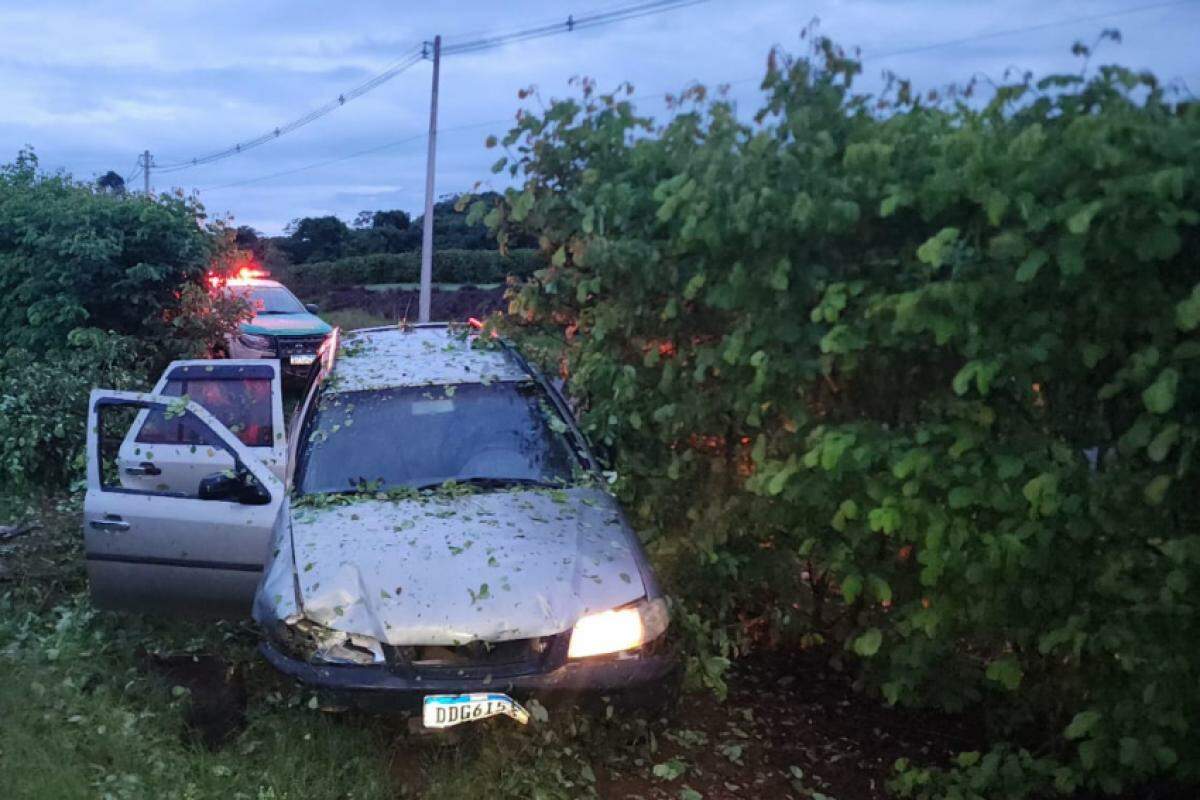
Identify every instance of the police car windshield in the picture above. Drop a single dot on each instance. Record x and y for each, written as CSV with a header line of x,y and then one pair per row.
x,y
270,299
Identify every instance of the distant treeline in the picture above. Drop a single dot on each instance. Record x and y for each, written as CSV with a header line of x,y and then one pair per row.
x,y
449,266
327,239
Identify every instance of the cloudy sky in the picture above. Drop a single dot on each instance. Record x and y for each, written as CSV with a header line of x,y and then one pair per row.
x,y
92,84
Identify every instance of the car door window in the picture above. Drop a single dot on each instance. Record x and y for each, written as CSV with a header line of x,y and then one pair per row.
x,y
138,470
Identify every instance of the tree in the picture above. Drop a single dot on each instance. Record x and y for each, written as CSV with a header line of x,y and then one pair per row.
x,y
248,240
391,219
111,182
317,239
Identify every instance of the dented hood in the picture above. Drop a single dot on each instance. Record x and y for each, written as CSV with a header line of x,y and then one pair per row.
x,y
491,566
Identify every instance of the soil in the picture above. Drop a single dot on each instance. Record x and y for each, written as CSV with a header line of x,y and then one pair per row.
x,y
792,727
217,695
458,305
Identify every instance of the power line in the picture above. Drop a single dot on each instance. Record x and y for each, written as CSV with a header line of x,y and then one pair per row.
x,y
868,56
357,154
569,25
1024,29
415,55
545,30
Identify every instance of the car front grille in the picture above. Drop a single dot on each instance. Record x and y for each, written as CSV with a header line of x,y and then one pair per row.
x,y
476,659
297,345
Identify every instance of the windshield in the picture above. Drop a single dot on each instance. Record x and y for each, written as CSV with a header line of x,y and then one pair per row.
x,y
422,436
270,299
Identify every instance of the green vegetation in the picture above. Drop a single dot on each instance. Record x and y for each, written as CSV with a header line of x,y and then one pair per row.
x,y
911,379
449,266
918,378
413,286
96,704
96,289
315,239
86,713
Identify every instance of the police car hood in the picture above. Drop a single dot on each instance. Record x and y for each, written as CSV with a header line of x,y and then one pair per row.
x,y
300,323
492,566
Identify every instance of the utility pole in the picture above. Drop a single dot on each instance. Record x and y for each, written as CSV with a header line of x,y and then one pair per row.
x,y
427,234
146,162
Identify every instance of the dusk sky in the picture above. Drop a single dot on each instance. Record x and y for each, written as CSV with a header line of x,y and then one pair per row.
x,y
92,84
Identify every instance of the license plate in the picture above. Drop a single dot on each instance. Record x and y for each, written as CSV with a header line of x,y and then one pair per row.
x,y
444,710
302,361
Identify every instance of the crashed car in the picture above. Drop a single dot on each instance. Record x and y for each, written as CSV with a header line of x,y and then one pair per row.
x,y
434,530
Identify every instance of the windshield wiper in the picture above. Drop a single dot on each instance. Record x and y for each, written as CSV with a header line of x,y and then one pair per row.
x,y
494,483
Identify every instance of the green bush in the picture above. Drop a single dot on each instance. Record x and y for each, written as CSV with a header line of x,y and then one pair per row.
x,y
96,289
43,406
917,378
71,257
449,266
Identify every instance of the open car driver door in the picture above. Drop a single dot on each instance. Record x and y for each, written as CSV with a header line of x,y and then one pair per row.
x,y
194,544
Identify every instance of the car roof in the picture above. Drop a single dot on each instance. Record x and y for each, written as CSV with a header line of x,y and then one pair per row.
x,y
420,355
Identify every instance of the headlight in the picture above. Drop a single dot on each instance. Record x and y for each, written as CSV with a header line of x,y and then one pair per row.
x,y
620,629
256,342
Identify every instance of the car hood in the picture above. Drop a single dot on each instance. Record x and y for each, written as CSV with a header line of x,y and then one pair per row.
x,y
298,324
491,566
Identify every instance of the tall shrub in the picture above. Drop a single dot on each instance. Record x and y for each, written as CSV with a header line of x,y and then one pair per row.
x,y
922,376
95,289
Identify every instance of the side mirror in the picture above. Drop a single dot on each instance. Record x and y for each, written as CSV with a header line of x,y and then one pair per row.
x,y
240,488
312,308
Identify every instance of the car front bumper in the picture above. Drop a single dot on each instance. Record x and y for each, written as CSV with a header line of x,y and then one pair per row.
x,y
647,680
283,348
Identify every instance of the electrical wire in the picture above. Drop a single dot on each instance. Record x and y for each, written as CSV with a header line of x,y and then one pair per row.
x,y
357,154
590,20
413,57
645,9
569,25
1025,29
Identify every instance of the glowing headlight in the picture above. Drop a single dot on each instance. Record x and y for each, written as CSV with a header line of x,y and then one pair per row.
x,y
620,629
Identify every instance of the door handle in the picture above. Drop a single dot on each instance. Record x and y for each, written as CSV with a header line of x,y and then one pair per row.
x,y
109,524
145,468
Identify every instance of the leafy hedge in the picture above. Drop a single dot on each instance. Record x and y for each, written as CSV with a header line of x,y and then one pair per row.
x,y
449,266
920,379
95,290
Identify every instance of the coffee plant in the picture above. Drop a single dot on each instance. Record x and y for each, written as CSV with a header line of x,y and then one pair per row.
x,y
913,374
96,289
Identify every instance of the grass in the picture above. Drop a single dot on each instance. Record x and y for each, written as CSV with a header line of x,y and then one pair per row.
x,y
81,719
350,318
95,704
84,713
